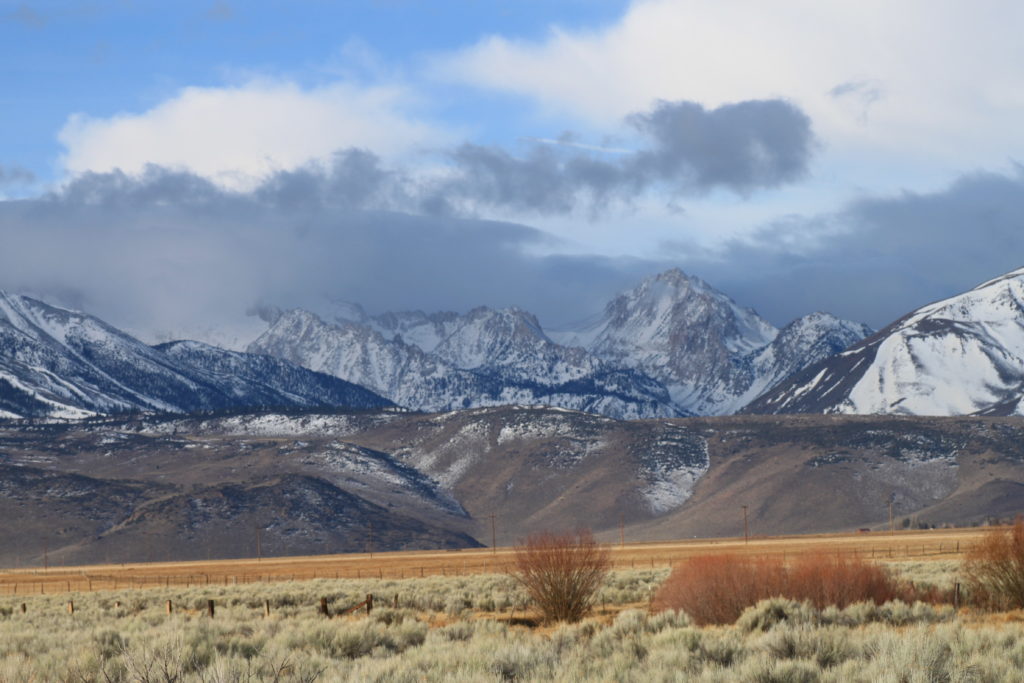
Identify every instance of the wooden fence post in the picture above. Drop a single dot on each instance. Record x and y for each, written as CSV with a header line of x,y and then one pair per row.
x,y
24,608
210,608
396,600
266,608
956,595
170,607
71,606
323,607
369,602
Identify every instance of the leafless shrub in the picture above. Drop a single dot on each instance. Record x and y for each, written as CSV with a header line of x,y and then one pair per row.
x,y
994,568
562,572
715,589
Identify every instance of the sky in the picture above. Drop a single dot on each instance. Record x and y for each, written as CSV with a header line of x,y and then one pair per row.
x,y
171,167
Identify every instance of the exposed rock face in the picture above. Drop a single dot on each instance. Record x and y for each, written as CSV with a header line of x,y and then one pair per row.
x,y
486,357
713,355
672,346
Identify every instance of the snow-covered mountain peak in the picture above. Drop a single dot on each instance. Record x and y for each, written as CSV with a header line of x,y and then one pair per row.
x,y
999,300
960,355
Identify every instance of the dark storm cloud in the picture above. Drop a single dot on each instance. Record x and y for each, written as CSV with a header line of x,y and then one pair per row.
x,y
878,258
168,249
688,150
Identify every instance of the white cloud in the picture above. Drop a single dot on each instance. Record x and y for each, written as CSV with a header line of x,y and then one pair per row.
x,y
943,77
236,135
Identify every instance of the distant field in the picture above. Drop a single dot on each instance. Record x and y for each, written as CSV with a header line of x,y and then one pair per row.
x,y
944,544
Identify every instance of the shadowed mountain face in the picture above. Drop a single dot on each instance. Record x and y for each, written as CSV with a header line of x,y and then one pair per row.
x,y
194,487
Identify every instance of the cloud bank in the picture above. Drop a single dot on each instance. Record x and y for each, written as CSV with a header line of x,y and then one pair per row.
x,y
169,251
878,257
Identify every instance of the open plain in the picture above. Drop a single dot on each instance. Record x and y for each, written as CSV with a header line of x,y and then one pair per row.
x,y
918,545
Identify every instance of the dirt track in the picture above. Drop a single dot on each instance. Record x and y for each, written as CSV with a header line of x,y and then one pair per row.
x,y
918,545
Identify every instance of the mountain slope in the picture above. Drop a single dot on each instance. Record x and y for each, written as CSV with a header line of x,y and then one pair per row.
x,y
315,482
55,362
958,356
713,355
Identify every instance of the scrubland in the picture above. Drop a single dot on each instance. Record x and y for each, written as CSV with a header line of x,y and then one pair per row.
x,y
481,628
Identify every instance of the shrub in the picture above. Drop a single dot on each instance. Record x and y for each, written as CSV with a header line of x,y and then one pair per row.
x,y
715,589
994,568
833,580
562,572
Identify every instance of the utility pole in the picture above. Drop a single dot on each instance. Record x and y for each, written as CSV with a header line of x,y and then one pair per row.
x,y
494,537
746,529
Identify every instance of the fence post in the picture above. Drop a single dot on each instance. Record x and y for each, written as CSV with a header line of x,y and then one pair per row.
x,y
369,602
396,600
209,608
956,595
170,607
71,606
24,608
323,607
266,608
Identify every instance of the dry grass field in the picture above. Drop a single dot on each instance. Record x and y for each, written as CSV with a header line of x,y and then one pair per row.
x,y
926,545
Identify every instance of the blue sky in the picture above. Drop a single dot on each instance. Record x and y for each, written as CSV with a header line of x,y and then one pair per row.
x,y
105,58
169,165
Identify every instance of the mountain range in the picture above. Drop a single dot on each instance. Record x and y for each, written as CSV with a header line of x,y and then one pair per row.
x,y
673,346
59,363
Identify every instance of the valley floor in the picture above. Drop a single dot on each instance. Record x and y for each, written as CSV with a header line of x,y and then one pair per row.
x,y
923,545
479,628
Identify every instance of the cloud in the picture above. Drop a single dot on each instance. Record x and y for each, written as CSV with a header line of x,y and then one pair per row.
x,y
943,66
879,257
240,134
167,252
685,150
15,175
238,139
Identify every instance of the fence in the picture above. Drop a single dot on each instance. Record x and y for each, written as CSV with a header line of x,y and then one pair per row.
x,y
52,581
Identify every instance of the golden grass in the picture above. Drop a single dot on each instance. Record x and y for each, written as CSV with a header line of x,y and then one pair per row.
x,y
944,544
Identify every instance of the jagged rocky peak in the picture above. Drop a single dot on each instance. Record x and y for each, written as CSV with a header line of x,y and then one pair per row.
x,y
960,355
683,332
485,357
819,335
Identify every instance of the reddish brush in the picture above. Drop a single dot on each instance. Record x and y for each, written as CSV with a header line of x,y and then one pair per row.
x,y
715,589
994,568
834,580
